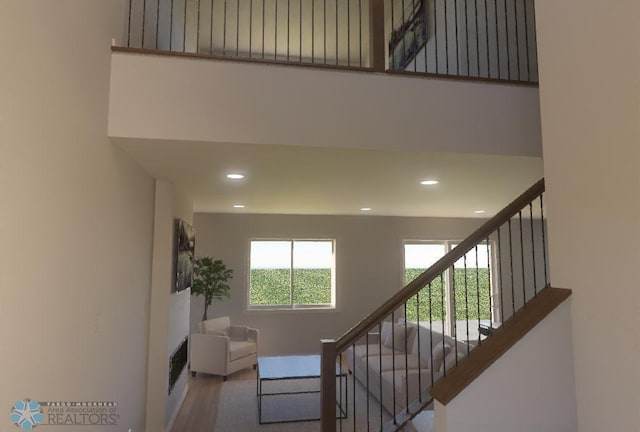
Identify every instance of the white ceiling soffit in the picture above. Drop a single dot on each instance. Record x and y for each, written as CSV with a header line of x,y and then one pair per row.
x,y
328,181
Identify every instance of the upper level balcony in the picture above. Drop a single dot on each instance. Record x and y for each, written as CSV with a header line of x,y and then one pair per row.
x,y
477,39
362,84
445,85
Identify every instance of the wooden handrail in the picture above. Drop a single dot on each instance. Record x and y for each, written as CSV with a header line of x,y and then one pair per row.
x,y
503,338
360,329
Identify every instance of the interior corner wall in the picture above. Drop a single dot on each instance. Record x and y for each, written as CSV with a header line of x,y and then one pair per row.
x,y
76,218
529,389
169,319
590,104
369,269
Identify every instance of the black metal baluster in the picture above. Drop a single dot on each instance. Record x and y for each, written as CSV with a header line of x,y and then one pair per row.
x,y
443,311
466,33
404,43
513,296
475,9
250,28
466,298
129,25
340,390
157,22
500,278
486,31
237,28
360,31
275,31
533,251
211,35
348,32
366,367
354,391
446,36
535,35
393,364
454,311
524,290
526,38
544,242
515,14
171,28
288,27
337,30
324,31
198,29
418,339
478,291
300,28
425,33
184,28
392,63
224,29
144,19
380,371
313,31
435,33
506,23
430,336
406,360
455,9
489,287
415,53
495,7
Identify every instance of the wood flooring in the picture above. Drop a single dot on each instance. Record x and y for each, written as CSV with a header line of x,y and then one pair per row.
x,y
198,412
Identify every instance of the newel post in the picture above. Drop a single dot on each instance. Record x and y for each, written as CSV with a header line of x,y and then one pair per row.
x,y
328,386
376,35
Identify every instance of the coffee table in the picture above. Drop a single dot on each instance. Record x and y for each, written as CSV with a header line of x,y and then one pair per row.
x,y
282,368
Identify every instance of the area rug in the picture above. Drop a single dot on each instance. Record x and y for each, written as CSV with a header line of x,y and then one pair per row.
x,y
238,407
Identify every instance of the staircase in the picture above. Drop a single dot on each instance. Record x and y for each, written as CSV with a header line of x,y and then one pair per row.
x,y
443,329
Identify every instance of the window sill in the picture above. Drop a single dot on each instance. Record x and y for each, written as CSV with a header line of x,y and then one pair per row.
x,y
302,310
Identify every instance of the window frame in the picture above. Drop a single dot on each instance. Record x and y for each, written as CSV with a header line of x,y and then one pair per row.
x,y
448,278
292,307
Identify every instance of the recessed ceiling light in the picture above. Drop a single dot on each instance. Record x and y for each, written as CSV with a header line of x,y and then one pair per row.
x,y
238,206
429,182
366,209
479,211
235,176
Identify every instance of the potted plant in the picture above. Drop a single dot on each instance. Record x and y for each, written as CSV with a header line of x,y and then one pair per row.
x,y
210,280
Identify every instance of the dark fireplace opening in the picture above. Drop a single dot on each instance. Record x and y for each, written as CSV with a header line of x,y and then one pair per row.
x,y
177,362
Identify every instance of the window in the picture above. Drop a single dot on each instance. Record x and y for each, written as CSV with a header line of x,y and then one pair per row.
x,y
472,297
289,274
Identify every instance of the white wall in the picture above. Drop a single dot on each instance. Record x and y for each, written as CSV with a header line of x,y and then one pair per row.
x,y
76,220
529,389
590,100
169,319
271,104
368,268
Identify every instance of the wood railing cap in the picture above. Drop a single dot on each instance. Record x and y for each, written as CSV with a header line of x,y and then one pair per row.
x,y
512,330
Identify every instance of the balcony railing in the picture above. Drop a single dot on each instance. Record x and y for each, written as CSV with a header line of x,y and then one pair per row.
x,y
475,39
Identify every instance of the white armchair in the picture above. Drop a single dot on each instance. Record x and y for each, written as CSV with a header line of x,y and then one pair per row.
x,y
221,348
